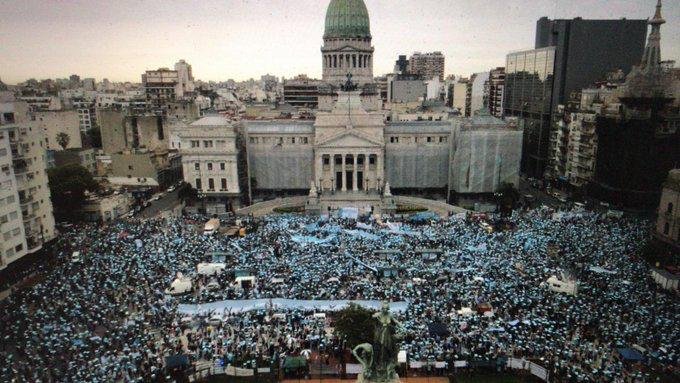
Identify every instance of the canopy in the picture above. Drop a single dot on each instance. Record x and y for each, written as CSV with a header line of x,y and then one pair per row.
x,y
630,354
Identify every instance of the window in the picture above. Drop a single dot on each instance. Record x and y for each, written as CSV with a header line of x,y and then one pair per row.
x,y
195,143
292,140
326,160
199,186
371,160
3,219
197,166
252,140
3,152
13,215
224,184
338,160
443,139
19,247
207,144
129,167
7,235
223,166
210,167
429,139
211,184
16,232
666,228
305,140
669,208
360,160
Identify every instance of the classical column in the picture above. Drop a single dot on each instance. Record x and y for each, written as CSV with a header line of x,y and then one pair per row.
x,y
333,172
378,171
354,172
318,169
344,178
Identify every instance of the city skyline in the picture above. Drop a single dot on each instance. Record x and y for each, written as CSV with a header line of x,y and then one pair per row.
x,y
132,37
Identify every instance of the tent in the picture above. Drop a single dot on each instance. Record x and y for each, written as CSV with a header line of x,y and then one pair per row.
x,y
630,354
178,360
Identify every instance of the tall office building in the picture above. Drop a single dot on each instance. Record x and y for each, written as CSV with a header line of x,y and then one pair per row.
x,y
569,55
428,65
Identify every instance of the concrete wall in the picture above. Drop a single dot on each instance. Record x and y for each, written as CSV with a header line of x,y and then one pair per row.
x,y
62,121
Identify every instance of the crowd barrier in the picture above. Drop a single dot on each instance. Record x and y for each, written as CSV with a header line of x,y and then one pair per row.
x,y
355,368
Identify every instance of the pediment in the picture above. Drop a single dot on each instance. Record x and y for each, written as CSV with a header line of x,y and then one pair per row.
x,y
349,138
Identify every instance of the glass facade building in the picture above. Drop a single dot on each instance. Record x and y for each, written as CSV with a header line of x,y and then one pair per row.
x,y
528,94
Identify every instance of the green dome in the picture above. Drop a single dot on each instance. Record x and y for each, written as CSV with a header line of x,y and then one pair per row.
x,y
347,18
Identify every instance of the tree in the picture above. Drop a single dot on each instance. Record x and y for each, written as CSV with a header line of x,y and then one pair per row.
x,y
508,198
355,325
63,139
94,137
68,185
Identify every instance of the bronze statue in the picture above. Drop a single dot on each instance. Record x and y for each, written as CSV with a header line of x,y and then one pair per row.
x,y
380,359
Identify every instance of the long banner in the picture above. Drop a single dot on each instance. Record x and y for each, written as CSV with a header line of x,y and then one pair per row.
x,y
235,306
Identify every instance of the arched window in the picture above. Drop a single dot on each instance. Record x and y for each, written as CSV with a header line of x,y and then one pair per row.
x,y
669,209
666,228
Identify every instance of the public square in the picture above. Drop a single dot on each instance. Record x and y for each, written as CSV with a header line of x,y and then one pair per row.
x,y
462,294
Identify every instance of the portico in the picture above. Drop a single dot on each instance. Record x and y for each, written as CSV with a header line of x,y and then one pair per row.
x,y
353,171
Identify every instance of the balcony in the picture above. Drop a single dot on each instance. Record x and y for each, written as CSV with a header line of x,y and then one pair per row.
x,y
20,166
25,200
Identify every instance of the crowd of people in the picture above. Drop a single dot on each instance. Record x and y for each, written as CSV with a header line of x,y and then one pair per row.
x,y
104,316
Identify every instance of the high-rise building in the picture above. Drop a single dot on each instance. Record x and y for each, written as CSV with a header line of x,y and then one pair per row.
x,y
160,86
528,94
185,79
568,56
428,65
478,96
26,220
347,43
495,86
301,92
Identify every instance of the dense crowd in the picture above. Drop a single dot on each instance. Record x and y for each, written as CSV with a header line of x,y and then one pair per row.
x,y
105,317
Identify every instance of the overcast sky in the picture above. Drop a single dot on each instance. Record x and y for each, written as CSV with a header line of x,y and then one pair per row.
x,y
240,39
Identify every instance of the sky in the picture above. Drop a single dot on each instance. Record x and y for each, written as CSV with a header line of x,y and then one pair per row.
x,y
243,39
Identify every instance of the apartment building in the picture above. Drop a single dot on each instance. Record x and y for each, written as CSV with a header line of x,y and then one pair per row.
x,y
26,220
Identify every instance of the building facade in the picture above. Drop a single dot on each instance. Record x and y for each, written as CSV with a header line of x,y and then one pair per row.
x,y
496,86
26,219
569,55
209,162
528,95
429,65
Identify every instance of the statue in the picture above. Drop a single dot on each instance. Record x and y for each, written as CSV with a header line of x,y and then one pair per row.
x,y
379,360
312,189
387,192
349,86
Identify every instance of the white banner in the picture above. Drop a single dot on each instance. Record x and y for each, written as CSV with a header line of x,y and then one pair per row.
x,y
354,368
538,371
517,364
460,363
